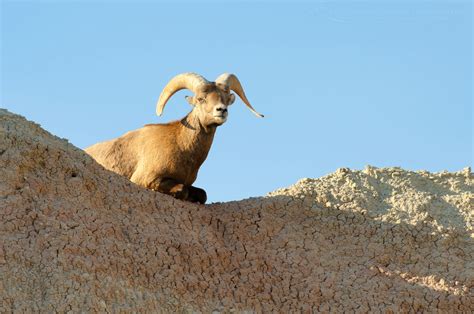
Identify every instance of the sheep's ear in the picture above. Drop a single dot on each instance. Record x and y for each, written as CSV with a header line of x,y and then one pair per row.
x,y
231,99
191,100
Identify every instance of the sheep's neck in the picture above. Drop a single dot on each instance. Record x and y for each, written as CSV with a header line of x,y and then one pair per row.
x,y
197,139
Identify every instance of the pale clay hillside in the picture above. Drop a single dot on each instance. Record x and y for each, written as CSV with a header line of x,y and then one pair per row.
x,y
76,237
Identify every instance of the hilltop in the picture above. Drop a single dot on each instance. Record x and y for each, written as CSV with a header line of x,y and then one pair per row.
x,y
74,236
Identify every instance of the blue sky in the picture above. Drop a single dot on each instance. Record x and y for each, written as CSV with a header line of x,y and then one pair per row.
x,y
341,83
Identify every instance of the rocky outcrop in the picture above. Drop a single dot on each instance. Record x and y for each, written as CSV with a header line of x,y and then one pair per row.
x,y
76,237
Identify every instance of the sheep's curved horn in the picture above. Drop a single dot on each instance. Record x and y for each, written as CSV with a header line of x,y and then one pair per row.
x,y
232,82
191,81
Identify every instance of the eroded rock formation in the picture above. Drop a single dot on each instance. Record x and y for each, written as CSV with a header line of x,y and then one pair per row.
x,y
74,236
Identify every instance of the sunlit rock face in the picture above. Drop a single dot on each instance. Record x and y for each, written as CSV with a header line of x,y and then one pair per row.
x,y
76,237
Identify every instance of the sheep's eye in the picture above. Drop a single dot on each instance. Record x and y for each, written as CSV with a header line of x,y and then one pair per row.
x,y
201,100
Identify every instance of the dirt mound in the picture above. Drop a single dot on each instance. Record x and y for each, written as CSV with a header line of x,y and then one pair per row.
x,y
74,236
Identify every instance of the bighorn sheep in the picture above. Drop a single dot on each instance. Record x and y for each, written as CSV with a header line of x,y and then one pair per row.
x,y
167,157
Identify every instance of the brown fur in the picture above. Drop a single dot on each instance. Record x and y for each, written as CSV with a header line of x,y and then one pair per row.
x,y
167,157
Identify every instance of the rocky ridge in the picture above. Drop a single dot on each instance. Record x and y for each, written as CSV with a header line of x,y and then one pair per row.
x,y
75,237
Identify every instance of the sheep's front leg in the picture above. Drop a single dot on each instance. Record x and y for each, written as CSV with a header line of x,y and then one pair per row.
x,y
196,195
173,188
180,191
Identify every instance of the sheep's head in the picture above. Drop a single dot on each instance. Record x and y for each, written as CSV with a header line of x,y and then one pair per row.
x,y
211,102
210,99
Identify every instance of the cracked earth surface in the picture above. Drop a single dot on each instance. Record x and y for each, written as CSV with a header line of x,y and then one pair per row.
x,y
75,237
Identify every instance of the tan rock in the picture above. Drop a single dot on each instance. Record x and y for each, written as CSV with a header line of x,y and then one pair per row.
x,y
75,237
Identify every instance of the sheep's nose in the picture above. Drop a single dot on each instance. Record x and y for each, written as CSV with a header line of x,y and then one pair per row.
x,y
223,110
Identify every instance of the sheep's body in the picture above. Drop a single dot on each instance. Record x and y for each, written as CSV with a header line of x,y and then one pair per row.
x,y
167,157
175,150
